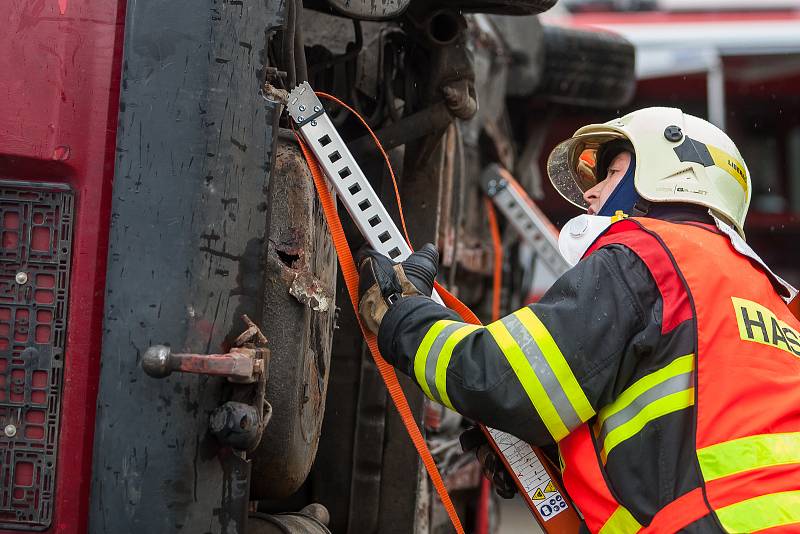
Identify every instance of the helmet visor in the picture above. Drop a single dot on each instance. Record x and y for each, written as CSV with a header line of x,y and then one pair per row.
x,y
573,166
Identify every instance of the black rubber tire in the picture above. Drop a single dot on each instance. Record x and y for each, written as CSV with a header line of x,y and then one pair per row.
x,y
587,68
500,7
524,39
306,521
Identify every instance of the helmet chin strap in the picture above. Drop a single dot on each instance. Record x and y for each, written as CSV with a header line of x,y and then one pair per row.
x,y
624,197
641,208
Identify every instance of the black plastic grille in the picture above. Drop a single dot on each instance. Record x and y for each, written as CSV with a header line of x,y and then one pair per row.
x,y
35,249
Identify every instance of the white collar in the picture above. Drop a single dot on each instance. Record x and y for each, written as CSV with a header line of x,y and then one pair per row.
x,y
580,232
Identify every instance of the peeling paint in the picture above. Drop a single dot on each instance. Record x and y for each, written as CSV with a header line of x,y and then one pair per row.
x,y
310,291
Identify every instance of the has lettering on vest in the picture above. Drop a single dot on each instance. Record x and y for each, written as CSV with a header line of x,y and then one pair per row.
x,y
760,325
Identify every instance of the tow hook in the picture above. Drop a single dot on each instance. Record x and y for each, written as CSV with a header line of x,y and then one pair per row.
x,y
239,422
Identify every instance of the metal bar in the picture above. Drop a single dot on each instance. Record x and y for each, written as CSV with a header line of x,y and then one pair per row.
x,y
518,208
416,125
239,364
341,169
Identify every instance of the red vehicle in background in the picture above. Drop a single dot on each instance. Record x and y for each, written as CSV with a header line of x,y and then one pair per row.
x,y
735,63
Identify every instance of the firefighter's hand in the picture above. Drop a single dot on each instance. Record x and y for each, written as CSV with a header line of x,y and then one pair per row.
x,y
493,468
383,282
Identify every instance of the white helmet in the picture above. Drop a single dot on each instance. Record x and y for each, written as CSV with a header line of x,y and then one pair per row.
x,y
679,158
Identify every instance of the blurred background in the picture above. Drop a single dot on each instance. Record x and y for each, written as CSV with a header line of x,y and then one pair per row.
x,y
734,62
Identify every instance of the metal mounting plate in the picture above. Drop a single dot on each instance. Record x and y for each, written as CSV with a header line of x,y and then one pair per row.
x,y
35,251
521,212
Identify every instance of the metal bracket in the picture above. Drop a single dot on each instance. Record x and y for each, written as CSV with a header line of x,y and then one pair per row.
x,y
515,204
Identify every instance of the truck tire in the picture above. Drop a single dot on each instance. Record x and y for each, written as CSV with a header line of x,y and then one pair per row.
x,y
501,7
524,39
587,68
313,519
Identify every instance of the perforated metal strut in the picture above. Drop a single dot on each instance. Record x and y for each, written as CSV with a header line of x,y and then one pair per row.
x,y
378,228
341,169
517,207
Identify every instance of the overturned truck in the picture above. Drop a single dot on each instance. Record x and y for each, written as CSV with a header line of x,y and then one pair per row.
x,y
177,353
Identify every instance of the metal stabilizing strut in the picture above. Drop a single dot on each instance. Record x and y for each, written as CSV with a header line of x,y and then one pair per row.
x,y
355,192
515,204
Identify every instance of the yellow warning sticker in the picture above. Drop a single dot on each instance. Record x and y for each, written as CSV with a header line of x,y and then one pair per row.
x,y
538,496
550,488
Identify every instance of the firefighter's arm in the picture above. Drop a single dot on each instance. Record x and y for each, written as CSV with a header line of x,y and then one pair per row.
x,y
539,372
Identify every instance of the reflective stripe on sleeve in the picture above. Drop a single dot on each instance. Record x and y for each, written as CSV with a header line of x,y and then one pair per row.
x,y
424,365
751,452
665,391
443,360
433,356
620,522
547,346
542,371
762,512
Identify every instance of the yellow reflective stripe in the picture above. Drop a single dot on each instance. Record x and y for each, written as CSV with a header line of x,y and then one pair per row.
x,y
752,452
654,410
444,360
620,522
729,164
527,378
762,512
678,366
421,358
557,362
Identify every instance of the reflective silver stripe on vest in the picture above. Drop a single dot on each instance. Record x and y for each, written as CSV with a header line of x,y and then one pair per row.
x,y
672,385
433,357
543,371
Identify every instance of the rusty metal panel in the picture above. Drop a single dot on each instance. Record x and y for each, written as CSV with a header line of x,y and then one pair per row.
x,y
195,148
299,309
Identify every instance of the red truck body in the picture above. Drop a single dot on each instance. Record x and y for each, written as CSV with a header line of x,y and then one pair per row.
x,y
58,114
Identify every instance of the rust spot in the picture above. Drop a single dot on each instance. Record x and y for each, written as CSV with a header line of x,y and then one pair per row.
x,y
61,153
310,291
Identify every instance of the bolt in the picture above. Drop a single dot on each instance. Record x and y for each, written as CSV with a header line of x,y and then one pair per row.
x,y
10,431
673,133
302,107
317,109
300,118
21,278
313,123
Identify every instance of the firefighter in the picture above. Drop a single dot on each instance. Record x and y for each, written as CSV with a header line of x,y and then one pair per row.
x,y
665,364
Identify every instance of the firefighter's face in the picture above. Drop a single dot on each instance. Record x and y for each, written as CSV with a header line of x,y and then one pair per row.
x,y
597,195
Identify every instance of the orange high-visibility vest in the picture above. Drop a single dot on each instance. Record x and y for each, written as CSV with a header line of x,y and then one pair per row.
x,y
747,389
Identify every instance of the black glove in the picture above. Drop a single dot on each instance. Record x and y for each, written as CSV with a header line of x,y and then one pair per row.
x,y
383,282
493,467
